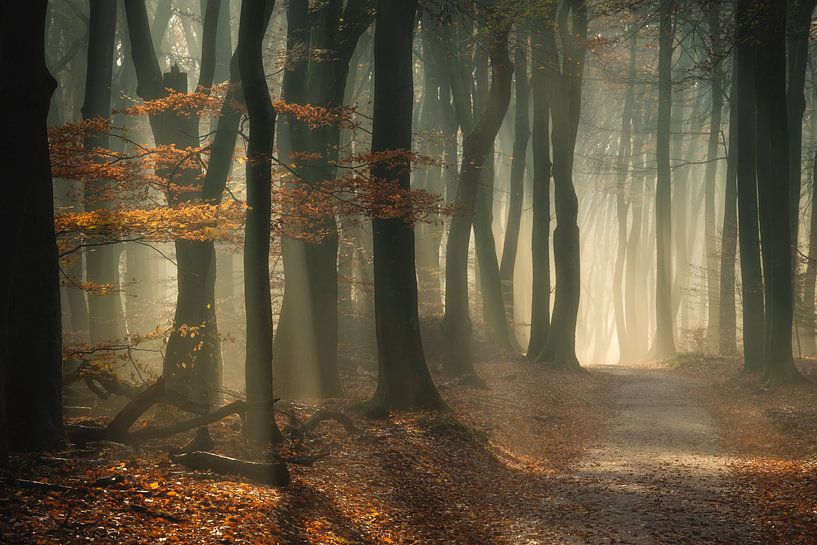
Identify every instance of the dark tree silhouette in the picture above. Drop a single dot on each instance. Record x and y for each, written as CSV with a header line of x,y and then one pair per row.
x,y
30,328
404,381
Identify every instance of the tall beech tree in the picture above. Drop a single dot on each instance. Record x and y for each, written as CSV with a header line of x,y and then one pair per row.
x,y
664,341
749,234
560,348
30,327
798,25
544,58
194,360
260,423
404,381
623,206
521,123
710,235
105,313
776,234
306,347
727,321
488,274
433,118
476,146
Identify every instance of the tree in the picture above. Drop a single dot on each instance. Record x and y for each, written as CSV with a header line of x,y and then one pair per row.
x,y
476,145
664,343
102,261
560,348
404,381
710,236
520,151
30,328
729,239
544,58
306,346
195,361
773,189
260,424
623,206
798,26
749,236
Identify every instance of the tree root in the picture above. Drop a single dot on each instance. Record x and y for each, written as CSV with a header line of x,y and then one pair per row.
x,y
118,430
274,474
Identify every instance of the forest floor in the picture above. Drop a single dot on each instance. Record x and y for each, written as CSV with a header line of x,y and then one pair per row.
x,y
683,452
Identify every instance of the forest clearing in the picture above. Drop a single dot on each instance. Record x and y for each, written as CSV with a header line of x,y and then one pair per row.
x,y
463,272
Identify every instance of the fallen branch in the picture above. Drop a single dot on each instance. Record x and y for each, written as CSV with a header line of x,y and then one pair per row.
x,y
275,474
39,485
160,432
118,430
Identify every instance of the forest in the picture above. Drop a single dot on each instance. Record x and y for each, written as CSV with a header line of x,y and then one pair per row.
x,y
408,272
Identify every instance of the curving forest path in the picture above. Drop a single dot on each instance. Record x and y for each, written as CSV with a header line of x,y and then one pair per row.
x,y
657,474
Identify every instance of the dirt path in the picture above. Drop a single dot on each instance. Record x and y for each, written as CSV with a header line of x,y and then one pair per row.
x,y
656,476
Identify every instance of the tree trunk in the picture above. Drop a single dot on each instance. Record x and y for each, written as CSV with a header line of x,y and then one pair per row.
x,y
430,177
749,237
635,275
487,265
543,46
30,329
810,279
798,21
560,348
664,342
404,381
729,241
475,148
309,354
520,151
196,361
102,265
710,233
260,424
773,190
623,206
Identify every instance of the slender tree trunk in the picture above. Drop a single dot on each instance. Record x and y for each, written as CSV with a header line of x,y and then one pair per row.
x,y
623,206
475,148
544,57
810,279
260,423
560,348
520,151
664,342
749,236
488,275
635,306
773,190
430,177
726,300
101,261
224,45
404,381
797,40
710,234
